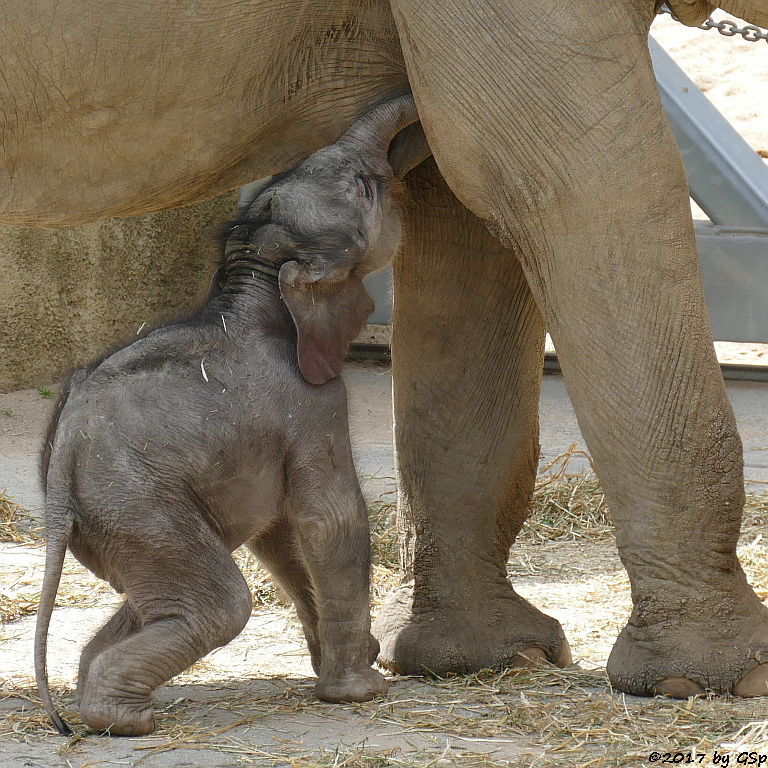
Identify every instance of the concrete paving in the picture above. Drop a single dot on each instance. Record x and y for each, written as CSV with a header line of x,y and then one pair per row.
x,y
371,424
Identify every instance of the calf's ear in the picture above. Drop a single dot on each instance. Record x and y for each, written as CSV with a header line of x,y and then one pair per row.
x,y
329,309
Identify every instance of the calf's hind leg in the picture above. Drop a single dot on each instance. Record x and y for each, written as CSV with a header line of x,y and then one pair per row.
x,y
190,598
279,552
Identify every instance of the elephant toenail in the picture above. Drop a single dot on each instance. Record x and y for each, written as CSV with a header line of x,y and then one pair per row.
x,y
677,688
754,683
530,657
564,657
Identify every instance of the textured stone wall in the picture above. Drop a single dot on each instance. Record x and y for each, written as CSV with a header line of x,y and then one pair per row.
x,y
70,295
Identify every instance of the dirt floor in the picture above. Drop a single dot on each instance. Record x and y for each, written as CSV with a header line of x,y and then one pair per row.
x,y
250,704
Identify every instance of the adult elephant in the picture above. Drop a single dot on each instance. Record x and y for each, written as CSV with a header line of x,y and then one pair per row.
x,y
547,128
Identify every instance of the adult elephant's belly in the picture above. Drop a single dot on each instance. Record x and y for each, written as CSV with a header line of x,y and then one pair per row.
x,y
118,109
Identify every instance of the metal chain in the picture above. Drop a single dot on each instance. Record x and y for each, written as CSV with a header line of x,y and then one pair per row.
x,y
727,27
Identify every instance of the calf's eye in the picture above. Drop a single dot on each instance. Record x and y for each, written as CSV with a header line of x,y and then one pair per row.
x,y
364,187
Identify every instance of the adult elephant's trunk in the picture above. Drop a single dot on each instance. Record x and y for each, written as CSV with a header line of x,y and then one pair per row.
x,y
693,12
690,12
373,132
754,11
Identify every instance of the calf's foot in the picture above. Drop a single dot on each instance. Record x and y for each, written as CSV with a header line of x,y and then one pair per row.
x,y
497,629
316,657
118,716
359,685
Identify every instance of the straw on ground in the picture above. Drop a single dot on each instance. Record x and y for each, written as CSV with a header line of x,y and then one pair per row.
x,y
543,717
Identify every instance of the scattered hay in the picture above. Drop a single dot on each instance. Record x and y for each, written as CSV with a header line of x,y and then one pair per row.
x,y
385,550
567,505
20,592
263,588
78,588
752,737
544,717
753,548
570,505
755,514
362,757
20,589
29,717
18,601
16,525
385,547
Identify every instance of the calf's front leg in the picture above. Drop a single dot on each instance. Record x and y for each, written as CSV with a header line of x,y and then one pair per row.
x,y
328,512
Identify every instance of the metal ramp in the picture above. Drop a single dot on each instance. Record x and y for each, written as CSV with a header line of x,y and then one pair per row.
x,y
729,182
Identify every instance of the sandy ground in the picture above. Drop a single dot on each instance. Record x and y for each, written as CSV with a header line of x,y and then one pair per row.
x,y
250,703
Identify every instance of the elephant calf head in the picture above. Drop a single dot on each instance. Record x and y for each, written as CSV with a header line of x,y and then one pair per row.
x,y
330,222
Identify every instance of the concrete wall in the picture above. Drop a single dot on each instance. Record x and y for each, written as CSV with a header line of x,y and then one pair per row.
x,y
70,295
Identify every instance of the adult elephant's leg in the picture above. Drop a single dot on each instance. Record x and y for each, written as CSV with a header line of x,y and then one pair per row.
x,y
467,355
565,148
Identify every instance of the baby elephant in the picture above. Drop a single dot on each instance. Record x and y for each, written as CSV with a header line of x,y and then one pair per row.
x,y
214,431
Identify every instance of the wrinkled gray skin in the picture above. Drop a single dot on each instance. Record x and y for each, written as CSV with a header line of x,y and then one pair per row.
x,y
206,434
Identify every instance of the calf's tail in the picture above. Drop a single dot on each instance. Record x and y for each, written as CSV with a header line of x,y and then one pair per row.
x,y
58,529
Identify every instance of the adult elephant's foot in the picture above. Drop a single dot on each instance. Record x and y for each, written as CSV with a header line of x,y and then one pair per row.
x,y
499,629
726,652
